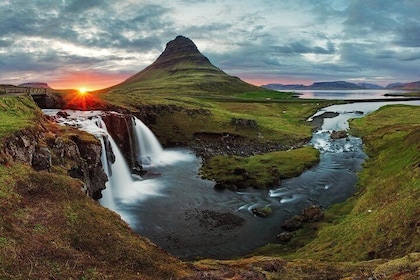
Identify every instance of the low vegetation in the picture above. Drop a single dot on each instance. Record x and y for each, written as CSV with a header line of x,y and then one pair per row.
x,y
16,113
50,229
259,171
381,220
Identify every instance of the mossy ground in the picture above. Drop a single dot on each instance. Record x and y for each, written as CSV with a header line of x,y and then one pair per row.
x,y
381,220
50,230
259,171
16,113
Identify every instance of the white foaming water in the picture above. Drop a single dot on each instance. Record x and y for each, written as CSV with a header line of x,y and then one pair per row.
x,y
121,189
150,150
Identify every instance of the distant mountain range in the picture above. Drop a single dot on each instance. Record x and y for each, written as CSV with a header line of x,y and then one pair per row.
x,y
35,85
337,85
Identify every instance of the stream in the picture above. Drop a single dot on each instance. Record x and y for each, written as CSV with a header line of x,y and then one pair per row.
x,y
185,215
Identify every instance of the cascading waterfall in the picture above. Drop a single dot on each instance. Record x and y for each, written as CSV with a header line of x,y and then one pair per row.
x,y
122,188
149,149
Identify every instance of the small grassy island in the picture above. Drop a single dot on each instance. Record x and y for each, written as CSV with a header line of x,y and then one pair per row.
x,y
50,229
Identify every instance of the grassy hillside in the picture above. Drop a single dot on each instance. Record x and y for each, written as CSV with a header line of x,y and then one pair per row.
x,y
16,113
49,229
382,219
182,69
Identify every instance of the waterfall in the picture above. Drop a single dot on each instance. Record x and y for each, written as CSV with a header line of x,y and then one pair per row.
x,y
119,175
122,188
149,149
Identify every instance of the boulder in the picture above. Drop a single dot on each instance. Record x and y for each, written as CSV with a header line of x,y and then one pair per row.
x,y
262,211
338,134
313,213
285,236
292,224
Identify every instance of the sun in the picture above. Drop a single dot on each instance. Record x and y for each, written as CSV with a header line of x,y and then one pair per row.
x,y
82,90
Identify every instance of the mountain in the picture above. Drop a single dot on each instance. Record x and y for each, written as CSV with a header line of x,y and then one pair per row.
x,y
182,68
284,87
315,86
334,85
369,86
35,85
407,86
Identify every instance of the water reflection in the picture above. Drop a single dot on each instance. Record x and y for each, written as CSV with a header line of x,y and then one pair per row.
x,y
350,94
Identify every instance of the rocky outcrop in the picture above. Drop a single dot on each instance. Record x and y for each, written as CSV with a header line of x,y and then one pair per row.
x,y
310,215
43,149
207,145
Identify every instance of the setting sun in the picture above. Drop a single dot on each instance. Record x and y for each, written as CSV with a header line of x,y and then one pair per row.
x,y
82,90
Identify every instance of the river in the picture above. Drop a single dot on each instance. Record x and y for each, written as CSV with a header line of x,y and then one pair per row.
x,y
186,216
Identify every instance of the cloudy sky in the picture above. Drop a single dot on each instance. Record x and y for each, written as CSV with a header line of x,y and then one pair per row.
x,y
98,43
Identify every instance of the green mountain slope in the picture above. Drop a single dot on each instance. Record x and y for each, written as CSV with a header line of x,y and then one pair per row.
x,y
181,68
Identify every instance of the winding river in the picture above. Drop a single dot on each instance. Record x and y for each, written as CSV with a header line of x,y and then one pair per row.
x,y
186,216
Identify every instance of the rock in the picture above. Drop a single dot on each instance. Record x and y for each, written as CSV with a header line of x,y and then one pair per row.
x,y
313,214
285,236
262,211
41,159
62,114
207,145
292,224
338,134
244,122
21,146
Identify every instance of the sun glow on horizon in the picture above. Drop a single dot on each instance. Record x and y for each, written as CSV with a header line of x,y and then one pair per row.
x,y
83,90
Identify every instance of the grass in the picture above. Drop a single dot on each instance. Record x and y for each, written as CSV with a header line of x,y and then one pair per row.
x,y
17,113
382,219
259,171
50,229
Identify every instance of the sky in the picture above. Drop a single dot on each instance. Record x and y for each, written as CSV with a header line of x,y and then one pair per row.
x,y
99,43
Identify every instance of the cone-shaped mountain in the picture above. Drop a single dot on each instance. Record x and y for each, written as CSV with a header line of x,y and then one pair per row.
x,y
182,68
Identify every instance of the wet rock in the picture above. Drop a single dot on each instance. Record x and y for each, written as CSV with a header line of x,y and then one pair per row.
x,y
338,134
120,127
292,224
319,120
262,211
285,236
313,213
62,114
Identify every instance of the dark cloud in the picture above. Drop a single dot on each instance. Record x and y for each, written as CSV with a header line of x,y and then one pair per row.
x,y
305,47
80,6
408,33
261,38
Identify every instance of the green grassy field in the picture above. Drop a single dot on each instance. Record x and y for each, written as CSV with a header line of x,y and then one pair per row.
x,y
49,228
16,113
381,220
259,171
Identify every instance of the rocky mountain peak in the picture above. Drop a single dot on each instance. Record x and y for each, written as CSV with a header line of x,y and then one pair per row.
x,y
180,45
181,48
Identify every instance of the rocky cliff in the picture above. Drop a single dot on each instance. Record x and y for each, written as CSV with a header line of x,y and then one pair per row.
x,y
47,148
